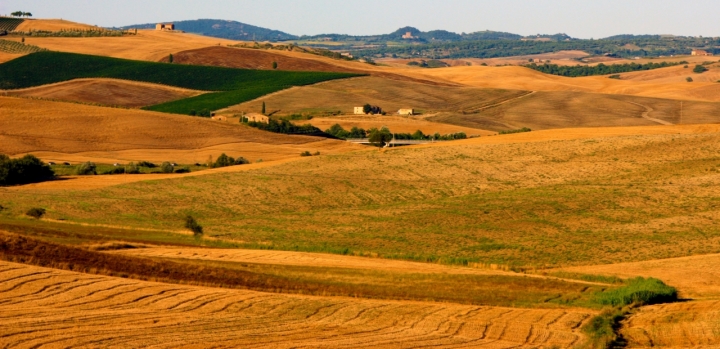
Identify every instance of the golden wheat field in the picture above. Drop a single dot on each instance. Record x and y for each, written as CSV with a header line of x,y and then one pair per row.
x,y
50,308
52,25
681,325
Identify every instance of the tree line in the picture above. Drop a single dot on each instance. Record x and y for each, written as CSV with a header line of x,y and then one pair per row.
x,y
385,135
21,14
600,69
28,169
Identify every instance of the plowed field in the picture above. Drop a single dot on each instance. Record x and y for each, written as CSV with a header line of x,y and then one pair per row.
x,y
108,92
46,307
680,325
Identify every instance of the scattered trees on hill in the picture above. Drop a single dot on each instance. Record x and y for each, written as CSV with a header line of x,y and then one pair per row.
x,y
600,69
286,127
224,161
337,131
21,14
371,109
27,169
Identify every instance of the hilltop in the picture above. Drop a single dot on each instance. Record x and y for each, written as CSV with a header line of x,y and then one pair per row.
x,y
225,29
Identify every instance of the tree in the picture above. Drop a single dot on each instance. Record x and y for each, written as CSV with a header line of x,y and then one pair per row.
x,y
380,137
36,212
131,168
22,40
367,108
27,14
27,169
689,79
274,65
224,161
86,168
170,58
263,109
699,69
17,14
193,226
167,167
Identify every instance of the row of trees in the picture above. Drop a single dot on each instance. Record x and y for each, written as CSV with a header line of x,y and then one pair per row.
x,y
385,135
284,126
27,169
21,14
600,69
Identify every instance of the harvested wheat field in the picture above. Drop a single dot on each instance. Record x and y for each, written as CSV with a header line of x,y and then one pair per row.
x,y
520,78
47,307
390,95
72,132
396,124
111,92
695,276
147,45
679,325
52,25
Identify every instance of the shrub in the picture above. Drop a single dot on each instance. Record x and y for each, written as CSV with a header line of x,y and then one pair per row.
x,y
167,167
305,153
27,169
146,164
689,79
131,168
182,170
520,130
639,291
86,169
699,69
602,328
223,161
274,65
614,76
36,212
116,170
193,226
241,161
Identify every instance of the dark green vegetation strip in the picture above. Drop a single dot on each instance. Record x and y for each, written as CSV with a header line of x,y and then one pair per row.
x,y
27,169
10,24
235,85
600,69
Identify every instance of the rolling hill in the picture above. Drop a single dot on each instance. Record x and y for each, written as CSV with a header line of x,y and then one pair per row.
x,y
225,29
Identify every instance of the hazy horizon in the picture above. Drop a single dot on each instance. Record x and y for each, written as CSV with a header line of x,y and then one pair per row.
x,y
371,17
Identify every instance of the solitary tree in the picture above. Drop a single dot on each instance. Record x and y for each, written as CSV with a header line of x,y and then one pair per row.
x,y
263,108
274,65
193,226
170,58
380,137
27,14
17,14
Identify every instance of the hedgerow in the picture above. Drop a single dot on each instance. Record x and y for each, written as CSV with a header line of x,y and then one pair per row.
x,y
27,169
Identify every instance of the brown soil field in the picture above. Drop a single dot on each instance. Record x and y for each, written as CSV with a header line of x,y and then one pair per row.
x,y
47,307
695,277
51,25
391,95
110,92
679,325
561,109
148,45
73,132
396,124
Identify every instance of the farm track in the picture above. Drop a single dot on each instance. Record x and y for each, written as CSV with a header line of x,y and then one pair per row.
x,y
646,114
42,307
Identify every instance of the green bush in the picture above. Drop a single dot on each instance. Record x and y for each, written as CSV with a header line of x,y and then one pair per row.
x,y
520,130
183,170
602,329
114,171
639,291
689,79
27,169
305,153
193,226
223,161
86,169
167,167
36,212
146,164
699,69
241,161
131,168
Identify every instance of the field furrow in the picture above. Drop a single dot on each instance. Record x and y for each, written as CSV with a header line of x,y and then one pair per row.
x,y
52,308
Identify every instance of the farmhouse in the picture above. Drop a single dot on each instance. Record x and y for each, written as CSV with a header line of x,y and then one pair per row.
x,y
255,117
406,111
701,53
165,27
359,111
408,36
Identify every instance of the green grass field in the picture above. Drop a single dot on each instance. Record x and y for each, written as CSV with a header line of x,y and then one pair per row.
x,y
526,205
234,86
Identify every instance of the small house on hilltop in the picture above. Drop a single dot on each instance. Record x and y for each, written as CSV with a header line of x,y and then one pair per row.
x,y
165,27
700,53
255,117
359,111
406,112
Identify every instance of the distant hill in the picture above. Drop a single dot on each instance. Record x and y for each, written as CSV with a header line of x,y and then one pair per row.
x,y
417,36
219,28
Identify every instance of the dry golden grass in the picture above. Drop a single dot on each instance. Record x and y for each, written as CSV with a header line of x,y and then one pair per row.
x,y
46,307
694,276
4,56
147,45
110,92
52,25
674,326
60,131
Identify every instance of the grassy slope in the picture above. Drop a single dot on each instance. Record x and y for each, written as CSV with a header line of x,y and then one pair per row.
x,y
573,202
239,85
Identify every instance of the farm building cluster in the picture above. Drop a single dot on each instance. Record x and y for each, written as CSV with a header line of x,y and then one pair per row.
x,y
377,110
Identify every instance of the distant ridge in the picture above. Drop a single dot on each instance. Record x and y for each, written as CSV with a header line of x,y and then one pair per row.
x,y
225,29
